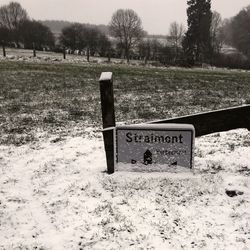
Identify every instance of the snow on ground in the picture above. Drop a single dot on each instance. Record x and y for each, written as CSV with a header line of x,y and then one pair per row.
x,y
24,55
55,194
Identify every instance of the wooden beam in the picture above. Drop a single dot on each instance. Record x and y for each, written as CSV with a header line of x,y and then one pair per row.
x,y
215,121
64,53
34,49
4,51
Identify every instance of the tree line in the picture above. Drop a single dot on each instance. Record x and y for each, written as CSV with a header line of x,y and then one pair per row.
x,y
82,39
17,28
201,43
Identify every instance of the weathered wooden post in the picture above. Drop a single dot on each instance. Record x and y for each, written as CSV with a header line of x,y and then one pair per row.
x,y
4,51
108,117
64,53
34,50
109,56
88,53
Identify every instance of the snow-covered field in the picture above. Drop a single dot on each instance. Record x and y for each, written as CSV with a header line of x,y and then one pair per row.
x,y
55,194
54,189
25,55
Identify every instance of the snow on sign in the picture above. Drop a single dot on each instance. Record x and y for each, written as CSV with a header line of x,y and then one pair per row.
x,y
153,145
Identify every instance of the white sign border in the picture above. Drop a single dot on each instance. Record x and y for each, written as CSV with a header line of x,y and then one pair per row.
x,y
156,127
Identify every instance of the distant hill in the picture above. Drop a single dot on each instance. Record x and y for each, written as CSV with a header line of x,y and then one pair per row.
x,y
56,26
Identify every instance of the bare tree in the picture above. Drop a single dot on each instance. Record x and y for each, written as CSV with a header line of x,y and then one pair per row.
x,y
11,16
226,31
176,33
127,27
215,30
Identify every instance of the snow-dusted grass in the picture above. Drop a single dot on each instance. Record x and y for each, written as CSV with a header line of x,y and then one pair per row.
x,y
55,194
38,96
54,190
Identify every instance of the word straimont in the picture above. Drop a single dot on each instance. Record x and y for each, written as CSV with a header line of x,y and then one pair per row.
x,y
152,138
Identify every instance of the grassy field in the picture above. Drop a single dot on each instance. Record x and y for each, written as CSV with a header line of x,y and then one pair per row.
x,y
55,193
39,98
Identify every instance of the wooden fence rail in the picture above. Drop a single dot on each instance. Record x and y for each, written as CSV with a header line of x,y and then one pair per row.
x,y
215,121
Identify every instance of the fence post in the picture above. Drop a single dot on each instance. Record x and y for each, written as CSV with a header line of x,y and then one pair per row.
x,y
34,49
108,117
4,51
64,53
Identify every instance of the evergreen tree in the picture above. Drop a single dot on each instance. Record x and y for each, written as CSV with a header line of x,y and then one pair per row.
x,y
197,41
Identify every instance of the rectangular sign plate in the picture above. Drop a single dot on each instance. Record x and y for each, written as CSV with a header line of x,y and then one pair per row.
x,y
151,145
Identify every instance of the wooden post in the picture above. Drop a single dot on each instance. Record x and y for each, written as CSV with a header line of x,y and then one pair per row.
x,y
34,50
108,117
88,52
64,53
4,51
109,55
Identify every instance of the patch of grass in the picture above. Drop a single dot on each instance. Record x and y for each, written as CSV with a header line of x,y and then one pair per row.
x,y
49,118
17,138
57,97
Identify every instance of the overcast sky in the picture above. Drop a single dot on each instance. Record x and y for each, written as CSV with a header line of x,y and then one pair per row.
x,y
156,15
